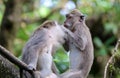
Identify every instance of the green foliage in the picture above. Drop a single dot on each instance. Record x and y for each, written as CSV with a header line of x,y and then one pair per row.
x,y
117,64
103,48
22,36
43,11
110,27
61,59
2,7
114,66
92,7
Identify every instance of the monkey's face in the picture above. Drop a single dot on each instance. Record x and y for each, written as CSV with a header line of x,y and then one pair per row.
x,y
72,18
69,21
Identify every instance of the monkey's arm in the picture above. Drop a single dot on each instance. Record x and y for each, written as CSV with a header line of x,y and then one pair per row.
x,y
72,36
33,57
33,47
68,32
80,38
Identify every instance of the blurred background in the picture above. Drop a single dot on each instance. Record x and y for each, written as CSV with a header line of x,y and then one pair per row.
x,y
19,18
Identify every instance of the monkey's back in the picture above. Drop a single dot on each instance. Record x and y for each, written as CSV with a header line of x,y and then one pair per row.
x,y
37,41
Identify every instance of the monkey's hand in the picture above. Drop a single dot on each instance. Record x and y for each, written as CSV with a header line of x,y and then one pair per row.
x,y
31,68
68,32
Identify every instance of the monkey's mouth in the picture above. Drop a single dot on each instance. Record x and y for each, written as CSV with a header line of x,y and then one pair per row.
x,y
65,25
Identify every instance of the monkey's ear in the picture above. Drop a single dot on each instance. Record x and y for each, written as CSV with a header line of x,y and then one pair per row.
x,y
82,17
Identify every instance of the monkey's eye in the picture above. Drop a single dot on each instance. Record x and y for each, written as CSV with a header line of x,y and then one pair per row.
x,y
45,26
68,16
82,17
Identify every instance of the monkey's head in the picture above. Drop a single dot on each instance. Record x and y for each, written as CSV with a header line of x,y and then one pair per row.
x,y
73,17
48,24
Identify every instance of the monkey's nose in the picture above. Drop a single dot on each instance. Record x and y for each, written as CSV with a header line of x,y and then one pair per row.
x,y
65,25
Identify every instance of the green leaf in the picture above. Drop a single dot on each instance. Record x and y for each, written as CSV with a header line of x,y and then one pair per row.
x,y
43,11
98,42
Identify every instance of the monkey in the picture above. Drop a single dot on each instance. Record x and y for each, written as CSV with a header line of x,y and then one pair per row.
x,y
37,52
81,46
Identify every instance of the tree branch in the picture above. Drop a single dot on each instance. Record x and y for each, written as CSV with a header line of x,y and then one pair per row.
x,y
111,58
39,19
7,69
5,53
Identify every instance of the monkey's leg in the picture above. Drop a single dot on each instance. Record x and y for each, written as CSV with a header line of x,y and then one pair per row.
x,y
72,74
37,74
64,74
54,67
45,63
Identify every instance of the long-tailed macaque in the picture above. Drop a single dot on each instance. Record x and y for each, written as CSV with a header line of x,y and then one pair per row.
x,y
37,53
81,46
